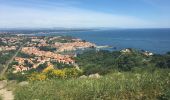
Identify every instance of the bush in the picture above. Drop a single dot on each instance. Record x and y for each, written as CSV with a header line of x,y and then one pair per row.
x,y
50,73
104,62
161,61
92,69
28,64
37,77
2,43
41,67
72,72
16,76
55,74
101,62
47,48
165,96
6,56
65,73
19,76
24,55
58,65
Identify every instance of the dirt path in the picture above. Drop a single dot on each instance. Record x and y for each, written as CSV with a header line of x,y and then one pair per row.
x,y
4,93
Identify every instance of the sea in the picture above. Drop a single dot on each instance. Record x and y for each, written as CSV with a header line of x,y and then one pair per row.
x,y
153,40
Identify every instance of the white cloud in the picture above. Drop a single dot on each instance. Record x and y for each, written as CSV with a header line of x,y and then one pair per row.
x,y
66,16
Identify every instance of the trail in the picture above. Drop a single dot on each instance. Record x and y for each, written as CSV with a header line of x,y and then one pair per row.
x,y
4,93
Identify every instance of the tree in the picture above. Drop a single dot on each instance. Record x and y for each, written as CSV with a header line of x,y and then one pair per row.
x,y
28,64
127,62
42,67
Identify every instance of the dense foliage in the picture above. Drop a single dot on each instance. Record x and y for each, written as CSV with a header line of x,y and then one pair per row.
x,y
2,43
103,62
162,61
20,76
24,55
62,39
93,61
6,56
58,65
47,48
44,72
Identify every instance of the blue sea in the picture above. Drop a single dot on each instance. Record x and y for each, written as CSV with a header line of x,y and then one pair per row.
x,y
153,40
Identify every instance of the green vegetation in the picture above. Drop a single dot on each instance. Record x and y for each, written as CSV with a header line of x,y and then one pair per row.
x,y
6,56
115,86
162,61
2,43
24,55
28,64
50,73
104,62
46,74
58,65
62,39
96,62
47,48
41,67
17,76
1,97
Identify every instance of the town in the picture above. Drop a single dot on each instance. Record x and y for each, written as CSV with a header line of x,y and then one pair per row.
x,y
34,51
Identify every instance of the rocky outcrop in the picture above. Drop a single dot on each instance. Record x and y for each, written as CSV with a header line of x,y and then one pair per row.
x,y
95,76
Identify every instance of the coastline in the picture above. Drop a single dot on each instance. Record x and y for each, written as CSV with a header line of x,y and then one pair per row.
x,y
154,40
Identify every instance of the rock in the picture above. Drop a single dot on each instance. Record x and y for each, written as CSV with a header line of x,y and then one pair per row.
x,y
94,75
5,81
83,76
3,84
77,67
23,83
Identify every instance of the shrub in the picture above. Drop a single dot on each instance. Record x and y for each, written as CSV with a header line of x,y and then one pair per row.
x,y
24,55
47,69
100,62
52,73
6,56
58,73
72,72
58,65
19,76
41,67
28,64
92,69
47,48
161,61
37,77
16,76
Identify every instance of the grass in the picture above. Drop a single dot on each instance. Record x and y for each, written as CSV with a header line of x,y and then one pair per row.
x,y
0,97
116,86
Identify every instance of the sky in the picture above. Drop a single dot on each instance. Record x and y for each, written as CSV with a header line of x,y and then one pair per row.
x,y
85,13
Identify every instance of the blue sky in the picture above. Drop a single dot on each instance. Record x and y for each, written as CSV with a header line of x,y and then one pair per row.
x,y
85,13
